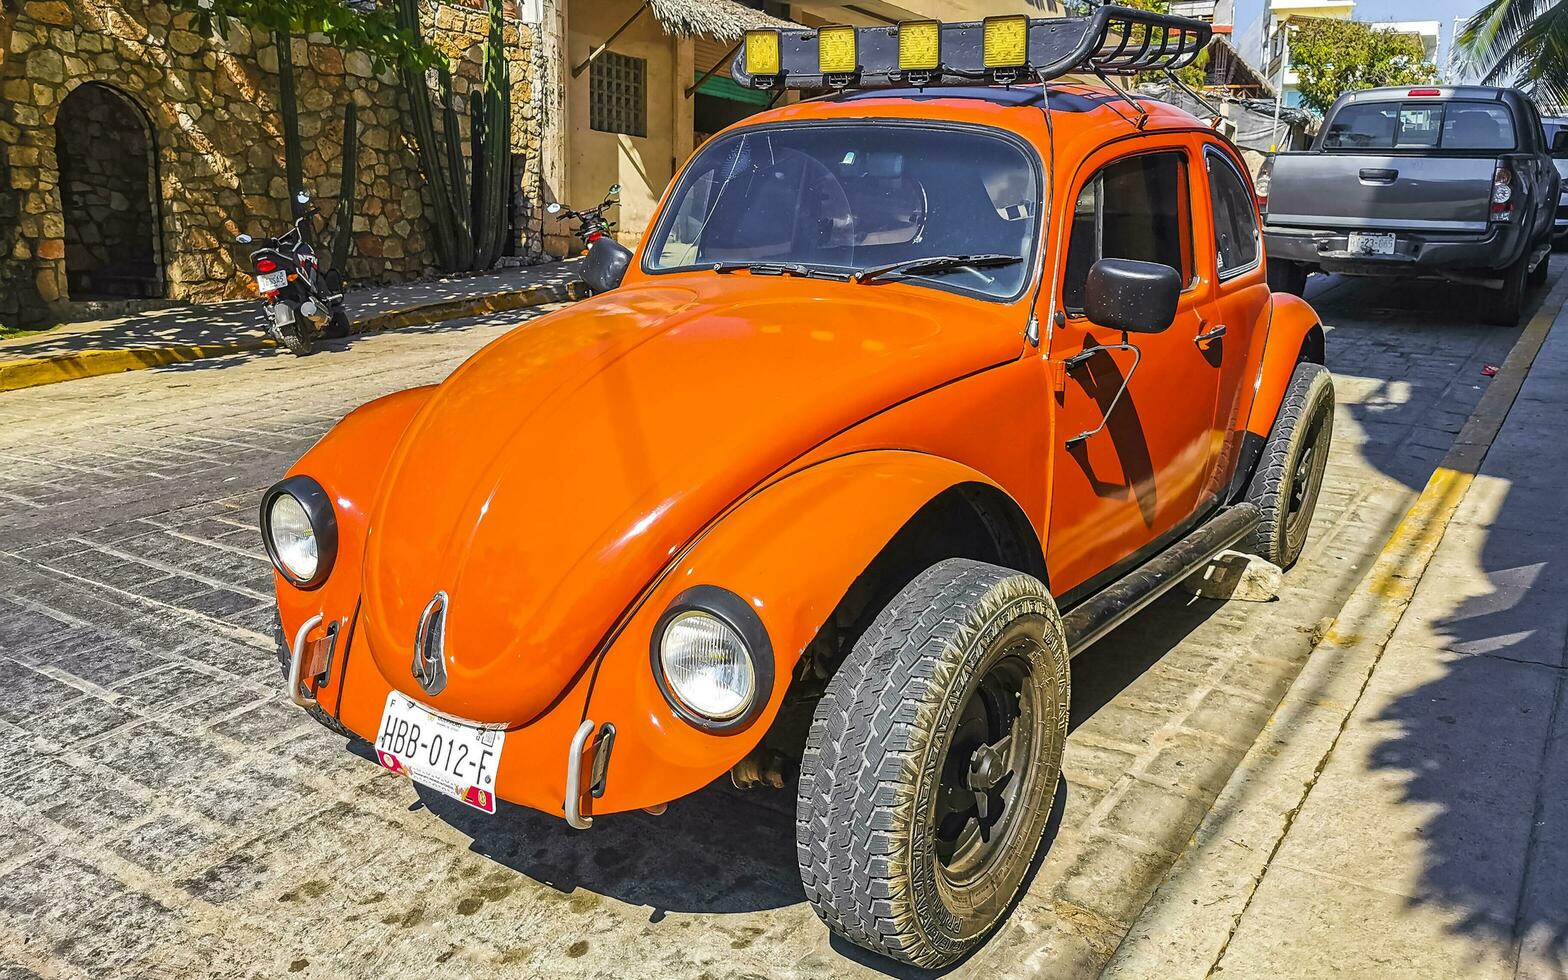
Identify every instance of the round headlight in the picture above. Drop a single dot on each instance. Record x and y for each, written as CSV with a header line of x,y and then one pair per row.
x,y
293,539
300,530
707,665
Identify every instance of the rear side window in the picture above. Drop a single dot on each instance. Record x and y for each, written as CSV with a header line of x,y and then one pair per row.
x,y
1133,209
1455,125
1235,219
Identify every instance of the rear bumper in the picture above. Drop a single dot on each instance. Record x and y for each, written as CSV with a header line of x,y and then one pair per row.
x,y
1415,253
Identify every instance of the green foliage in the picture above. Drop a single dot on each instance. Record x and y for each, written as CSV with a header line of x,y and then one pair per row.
x,y
1196,75
1332,57
1523,43
375,31
467,216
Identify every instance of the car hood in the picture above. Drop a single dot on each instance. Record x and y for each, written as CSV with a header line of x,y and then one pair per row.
x,y
553,475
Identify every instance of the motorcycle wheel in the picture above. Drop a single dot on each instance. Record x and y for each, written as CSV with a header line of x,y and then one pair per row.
x,y
293,336
338,323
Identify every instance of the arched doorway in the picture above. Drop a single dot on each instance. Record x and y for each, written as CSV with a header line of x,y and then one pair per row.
x,y
109,193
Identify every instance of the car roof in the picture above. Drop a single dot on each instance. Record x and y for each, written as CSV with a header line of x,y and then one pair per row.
x,y
1391,92
1074,108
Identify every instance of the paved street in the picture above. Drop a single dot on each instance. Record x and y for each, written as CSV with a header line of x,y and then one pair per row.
x,y
168,813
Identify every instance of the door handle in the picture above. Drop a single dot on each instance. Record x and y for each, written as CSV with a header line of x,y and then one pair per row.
x,y
1378,175
1215,334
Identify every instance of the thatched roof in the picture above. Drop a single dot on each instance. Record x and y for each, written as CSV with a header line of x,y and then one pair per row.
x,y
723,20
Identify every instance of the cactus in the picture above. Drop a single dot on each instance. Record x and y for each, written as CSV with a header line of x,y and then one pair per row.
x,y
346,191
288,111
468,216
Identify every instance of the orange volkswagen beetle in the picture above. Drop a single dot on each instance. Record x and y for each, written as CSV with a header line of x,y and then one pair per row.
x,y
911,392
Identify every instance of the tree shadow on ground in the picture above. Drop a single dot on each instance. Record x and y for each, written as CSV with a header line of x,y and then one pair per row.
x,y
1480,748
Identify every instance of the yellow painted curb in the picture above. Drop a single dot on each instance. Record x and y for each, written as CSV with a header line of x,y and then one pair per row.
x,y
34,371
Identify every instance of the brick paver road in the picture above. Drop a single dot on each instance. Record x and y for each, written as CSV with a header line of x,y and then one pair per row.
x,y
166,812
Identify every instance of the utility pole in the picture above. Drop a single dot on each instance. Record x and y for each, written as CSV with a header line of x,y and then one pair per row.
x,y
1279,85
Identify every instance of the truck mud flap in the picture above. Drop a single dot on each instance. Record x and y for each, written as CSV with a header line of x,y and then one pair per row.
x,y
1105,610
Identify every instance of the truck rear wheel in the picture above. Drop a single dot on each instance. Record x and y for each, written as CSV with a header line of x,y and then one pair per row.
x,y
1504,307
1287,277
932,763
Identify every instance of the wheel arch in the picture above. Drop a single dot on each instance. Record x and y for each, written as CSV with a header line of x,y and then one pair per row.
x,y
816,554
1295,335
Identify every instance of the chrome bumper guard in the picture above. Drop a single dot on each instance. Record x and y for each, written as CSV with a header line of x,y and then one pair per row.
x,y
574,776
296,661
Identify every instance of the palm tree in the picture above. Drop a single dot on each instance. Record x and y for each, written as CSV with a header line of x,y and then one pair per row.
x,y
1523,43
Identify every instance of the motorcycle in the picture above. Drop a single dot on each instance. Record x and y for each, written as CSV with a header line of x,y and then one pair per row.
x,y
607,259
302,303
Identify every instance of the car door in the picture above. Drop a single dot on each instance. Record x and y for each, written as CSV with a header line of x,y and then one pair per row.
x,y
1133,414
1236,314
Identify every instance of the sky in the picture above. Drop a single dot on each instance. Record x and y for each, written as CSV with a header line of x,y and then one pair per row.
x,y
1248,13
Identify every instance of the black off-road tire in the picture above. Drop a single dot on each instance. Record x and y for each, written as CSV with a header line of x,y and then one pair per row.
x,y
338,325
865,827
1286,484
1287,277
1503,307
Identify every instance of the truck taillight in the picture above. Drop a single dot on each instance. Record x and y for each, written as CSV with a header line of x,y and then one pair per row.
x,y
1502,194
1418,92
1260,186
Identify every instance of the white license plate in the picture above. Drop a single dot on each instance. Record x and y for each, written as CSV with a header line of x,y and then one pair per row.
x,y
1370,243
271,282
459,760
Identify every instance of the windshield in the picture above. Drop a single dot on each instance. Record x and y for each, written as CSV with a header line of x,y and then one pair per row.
x,y
849,197
1421,125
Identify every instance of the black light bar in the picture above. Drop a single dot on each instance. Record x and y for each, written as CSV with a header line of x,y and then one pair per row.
x,y
1000,50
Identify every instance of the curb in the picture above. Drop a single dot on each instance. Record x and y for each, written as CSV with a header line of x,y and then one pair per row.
x,y
34,371
1186,926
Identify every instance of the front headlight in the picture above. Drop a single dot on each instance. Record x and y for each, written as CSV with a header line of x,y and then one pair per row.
x,y
712,659
300,530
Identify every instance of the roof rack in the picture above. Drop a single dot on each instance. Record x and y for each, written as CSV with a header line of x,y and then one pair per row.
x,y
1003,50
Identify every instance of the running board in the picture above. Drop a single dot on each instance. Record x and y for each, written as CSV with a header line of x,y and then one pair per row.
x,y
1107,609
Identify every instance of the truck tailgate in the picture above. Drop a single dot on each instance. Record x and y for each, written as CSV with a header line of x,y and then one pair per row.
x,y
1390,192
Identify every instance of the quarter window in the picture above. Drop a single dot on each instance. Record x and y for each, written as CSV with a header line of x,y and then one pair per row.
x,y
1235,219
618,94
1138,208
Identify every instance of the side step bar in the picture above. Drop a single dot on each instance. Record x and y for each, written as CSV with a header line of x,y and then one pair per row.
x,y
1105,610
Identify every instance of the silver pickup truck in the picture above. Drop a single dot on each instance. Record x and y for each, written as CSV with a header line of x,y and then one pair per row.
x,y
1448,182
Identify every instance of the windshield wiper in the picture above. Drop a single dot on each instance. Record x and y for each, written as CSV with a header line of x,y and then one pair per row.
x,y
781,269
936,263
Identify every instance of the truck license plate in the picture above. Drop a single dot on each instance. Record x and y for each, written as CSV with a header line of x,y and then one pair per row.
x,y
456,759
1368,243
271,282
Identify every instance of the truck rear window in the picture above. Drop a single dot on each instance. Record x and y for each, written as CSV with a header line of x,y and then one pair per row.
x,y
1421,126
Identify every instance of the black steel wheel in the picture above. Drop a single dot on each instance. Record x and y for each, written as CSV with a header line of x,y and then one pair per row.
x,y
932,763
1290,472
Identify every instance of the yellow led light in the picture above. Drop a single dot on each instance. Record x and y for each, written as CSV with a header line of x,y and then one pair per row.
x,y
1006,42
762,52
919,45
836,50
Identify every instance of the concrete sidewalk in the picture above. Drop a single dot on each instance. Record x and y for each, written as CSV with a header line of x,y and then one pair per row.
x,y
1406,811
184,333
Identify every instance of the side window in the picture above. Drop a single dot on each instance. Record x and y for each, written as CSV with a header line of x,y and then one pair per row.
x,y
1138,208
1235,219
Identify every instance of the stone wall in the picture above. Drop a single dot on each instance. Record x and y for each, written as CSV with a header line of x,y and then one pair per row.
x,y
217,141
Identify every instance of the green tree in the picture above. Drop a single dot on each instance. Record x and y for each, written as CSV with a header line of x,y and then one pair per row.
x,y
1523,43
1332,57
358,26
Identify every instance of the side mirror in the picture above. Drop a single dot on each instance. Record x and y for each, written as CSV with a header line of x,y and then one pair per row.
x,y
552,208
1560,143
302,197
615,190
1138,297
605,266
243,238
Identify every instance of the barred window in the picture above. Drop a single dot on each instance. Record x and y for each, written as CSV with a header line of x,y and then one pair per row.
x,y
618,94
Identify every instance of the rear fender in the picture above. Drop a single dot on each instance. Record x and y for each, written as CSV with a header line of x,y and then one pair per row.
x,y
1295,335
791,551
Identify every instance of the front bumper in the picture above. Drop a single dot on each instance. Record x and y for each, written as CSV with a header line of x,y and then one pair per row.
x,y
1444,255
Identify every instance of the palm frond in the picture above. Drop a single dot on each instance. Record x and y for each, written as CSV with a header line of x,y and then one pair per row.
x,y
1520,42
